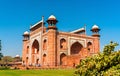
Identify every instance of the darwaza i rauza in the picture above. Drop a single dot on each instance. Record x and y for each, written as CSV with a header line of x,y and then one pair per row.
x,y
48,47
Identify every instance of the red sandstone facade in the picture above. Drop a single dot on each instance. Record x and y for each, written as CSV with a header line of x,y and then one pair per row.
x,y
46,46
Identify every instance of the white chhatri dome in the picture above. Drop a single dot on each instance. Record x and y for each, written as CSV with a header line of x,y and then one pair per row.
x,y
52,17
95,26
26,33
17,56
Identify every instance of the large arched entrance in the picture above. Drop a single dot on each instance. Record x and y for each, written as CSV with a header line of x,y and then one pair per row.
x,y
35,47
63,59
76,48
35,51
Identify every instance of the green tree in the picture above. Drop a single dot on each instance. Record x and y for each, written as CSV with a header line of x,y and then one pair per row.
x,y
103,64
108,49
17,59
7,59
1,55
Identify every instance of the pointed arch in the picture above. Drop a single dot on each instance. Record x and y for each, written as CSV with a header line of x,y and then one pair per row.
x,y
45,44
89,46
35,47
63,59
33,59
27,60
76,48
37,61
44,59
27,51
63,44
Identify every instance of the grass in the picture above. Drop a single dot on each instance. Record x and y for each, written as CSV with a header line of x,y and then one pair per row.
x,y
60,72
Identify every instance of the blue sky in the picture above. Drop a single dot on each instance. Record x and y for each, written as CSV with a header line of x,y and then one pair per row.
x,y
16,16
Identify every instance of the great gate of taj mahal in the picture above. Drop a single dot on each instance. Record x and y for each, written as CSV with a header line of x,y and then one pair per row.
x,y
47,46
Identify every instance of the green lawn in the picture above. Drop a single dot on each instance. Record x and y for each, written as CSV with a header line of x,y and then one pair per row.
x,y
37,72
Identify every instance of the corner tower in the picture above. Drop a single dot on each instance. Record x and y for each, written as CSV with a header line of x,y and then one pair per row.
x,y
95,30
24,52
52,21
52,40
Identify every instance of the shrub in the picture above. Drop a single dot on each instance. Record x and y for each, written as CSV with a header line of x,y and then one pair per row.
x,y
4,68
103,64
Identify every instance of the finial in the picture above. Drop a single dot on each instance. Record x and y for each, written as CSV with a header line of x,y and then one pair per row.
x,y
43,18
85,28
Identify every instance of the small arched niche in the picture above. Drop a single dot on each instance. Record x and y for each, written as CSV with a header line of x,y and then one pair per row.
x,y
27,50
63,59
45,44
44,59
63,44
89,46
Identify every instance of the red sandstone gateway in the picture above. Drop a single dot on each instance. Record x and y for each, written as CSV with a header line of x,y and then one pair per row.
x,y
48,47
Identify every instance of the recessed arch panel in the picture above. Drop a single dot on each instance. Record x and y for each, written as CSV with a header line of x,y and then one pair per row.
x,y
89,46
63,44
63,59
45,44
35,47
44,59
76,48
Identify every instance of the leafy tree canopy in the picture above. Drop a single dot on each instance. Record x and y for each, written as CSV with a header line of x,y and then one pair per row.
x,y
1,55
103,64
108,49
6,59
